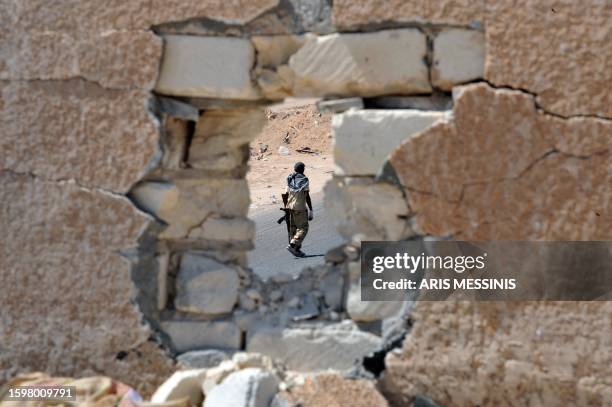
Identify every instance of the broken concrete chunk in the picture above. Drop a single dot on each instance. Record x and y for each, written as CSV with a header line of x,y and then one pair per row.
x,y
275,50
356,210
459,57
157,198
364,138
250,387
199,359
370,64
367,311
194,335
182,384
185,203
337,346
213,67
205,286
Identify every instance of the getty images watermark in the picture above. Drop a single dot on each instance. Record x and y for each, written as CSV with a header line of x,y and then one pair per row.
x,y
487,271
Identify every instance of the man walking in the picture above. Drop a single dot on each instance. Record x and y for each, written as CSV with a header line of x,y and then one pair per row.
x,y
296,198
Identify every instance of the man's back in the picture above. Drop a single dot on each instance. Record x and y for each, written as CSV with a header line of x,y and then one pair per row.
x,y
296,200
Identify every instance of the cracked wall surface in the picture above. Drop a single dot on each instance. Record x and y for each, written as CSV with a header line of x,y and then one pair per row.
x,y
526,155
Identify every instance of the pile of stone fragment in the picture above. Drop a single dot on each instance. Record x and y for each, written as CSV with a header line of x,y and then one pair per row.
x,y
242,379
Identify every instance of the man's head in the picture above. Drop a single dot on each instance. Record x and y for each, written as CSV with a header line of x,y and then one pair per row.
x,y
299,167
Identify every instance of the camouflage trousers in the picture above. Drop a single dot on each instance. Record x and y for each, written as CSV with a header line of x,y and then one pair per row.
x,y
298,227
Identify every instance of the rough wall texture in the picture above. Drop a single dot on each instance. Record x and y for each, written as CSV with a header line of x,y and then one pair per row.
x,y
66,290
503,170
529,163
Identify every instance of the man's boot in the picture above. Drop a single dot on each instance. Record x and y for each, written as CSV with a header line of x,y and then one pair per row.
x,y
293,250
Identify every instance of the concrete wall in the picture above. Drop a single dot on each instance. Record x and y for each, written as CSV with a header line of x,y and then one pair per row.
x,y
96,182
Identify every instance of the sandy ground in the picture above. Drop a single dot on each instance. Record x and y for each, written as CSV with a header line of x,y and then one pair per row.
x,y
293,125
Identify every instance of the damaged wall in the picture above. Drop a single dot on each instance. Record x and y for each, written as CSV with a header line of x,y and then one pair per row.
x,y
525,155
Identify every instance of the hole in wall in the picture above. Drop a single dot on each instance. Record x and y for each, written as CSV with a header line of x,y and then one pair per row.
x,y
200,284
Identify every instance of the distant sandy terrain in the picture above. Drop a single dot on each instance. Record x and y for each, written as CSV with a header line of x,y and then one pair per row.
x,y
292,125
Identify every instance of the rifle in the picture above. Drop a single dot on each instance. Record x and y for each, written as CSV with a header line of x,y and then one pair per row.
x,y
285,218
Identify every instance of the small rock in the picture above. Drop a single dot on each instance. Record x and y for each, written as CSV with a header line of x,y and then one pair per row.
x,y
294,302
249,387
254,295
199,359
335,255
282,150
193,335
182,384
423,401
276,295
352,253
246,303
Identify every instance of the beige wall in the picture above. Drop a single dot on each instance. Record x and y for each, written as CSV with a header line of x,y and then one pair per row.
x,y
529,163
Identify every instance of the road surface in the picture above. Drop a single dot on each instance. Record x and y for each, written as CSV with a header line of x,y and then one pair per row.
x,y
270,255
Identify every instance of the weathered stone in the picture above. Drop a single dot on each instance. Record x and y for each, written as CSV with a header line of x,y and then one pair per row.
x,y
188,202
118,60
199,359
458,57
363,139
459,185
367,311
215,228
570,71
221,138
216,375
249,387
356,210
60,130
182,384
205,286
349,14
193,335
207,67
73,288
337,346
275,50
361,64
175,133
331,389
273,76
